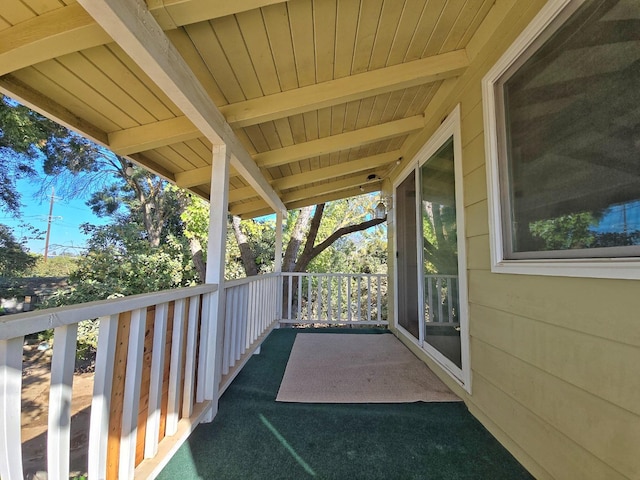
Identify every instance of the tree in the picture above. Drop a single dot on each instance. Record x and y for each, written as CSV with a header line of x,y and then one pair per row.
x,y
25,137
332,221
14,259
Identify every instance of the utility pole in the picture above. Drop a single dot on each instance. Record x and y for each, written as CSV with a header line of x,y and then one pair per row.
x,y
49,220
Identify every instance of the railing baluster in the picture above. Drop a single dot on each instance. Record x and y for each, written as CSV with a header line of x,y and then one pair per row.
x,y
349,298
299,299
339,316
59,434
152,431
10,391
329,309
101,403
430,302
309,297
379,302
251,317
368,297
190,356
231,311
450,299
131,395
439,292
319,307
244,321
359,296
175,367
290,297
236,316
203,350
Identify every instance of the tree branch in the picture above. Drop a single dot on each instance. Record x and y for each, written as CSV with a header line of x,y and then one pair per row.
x,y
318,249
313,230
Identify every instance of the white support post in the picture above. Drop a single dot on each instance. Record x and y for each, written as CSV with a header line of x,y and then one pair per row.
x,y
152,431
277,267
131,396
10,392
219,201
175,368
101,404
59,434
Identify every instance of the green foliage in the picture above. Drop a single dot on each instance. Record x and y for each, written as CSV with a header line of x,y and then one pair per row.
x,y
195,216
14,259
565,232
60,266
110,273
440,240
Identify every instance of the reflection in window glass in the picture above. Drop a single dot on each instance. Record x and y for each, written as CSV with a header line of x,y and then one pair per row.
x,y
571,164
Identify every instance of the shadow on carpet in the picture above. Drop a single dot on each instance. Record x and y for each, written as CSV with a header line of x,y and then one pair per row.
x,y
254,437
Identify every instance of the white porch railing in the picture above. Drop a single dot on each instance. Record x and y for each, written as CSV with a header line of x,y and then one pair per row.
x,y
334,298
135,425
251,308
441,303
169,323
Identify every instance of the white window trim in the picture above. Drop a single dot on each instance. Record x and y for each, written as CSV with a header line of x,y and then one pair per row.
x,y
450,127
620,268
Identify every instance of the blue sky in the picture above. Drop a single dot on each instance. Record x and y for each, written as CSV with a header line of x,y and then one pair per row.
x,y
68,215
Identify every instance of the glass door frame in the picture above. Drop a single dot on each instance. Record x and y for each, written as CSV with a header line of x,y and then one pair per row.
x,y
449,128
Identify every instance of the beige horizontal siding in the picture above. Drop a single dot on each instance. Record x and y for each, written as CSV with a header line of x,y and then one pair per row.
x,y
554,359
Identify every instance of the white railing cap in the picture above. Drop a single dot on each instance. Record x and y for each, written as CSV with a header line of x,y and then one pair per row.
x,y
22,324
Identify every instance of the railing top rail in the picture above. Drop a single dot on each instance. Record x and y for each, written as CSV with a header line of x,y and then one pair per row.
x,y
32,322
336,274
245,280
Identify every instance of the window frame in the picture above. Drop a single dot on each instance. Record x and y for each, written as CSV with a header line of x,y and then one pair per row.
x,y
549,19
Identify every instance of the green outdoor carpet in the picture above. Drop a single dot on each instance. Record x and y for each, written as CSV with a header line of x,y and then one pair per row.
x,y
255,437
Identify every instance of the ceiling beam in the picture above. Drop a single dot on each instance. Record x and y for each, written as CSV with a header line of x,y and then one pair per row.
x,y
335,143
199,176
71,29
263,210
339,170
347,89
330,187
192,178
300,179
139,35
240,194
153,135
175,13
52,34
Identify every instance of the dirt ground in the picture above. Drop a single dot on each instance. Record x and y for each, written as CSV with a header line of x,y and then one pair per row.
x,y
36,375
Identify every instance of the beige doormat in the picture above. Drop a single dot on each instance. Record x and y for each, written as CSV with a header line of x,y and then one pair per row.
x,y
351,368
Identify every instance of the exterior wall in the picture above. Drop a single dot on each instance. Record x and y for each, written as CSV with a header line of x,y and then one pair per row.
x,y
554,359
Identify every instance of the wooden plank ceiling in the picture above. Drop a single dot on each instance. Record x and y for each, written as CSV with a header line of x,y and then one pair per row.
x,y
320,95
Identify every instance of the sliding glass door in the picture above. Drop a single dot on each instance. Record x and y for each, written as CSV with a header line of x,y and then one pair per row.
x,y
407,256
440,254
430,267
